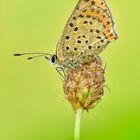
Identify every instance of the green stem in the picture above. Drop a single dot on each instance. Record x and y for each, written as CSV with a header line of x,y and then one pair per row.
x,y
77,124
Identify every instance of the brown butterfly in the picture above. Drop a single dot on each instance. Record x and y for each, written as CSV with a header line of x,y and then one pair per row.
x,y
88,31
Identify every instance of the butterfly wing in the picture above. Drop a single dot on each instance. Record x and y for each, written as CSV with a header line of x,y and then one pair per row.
x,y
88,31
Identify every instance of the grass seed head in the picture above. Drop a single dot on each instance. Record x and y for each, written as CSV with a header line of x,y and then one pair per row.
x,y
83,86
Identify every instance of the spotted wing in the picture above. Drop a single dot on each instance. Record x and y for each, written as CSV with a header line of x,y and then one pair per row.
x,y
88,31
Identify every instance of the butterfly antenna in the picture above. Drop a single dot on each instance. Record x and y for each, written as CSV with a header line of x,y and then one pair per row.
x,y
38,54
32,57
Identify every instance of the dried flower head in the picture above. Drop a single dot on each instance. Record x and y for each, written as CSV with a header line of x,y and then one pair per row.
x,y
83,86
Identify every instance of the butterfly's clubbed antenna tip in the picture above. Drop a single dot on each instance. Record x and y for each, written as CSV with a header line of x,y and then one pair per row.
x,y
17,54
29,58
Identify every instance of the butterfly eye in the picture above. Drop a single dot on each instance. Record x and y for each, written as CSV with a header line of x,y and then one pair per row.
x,y
53,59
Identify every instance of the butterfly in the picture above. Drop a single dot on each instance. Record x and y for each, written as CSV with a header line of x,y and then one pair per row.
x,y
86,34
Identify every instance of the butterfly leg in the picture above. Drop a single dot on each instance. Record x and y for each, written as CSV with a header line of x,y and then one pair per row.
x,y
105,67
106,86
61,71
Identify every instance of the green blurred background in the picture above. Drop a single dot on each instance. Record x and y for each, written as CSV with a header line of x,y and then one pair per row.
x,y
32,105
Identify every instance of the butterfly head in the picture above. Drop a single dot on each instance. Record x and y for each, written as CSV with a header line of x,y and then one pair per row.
x,y
51,58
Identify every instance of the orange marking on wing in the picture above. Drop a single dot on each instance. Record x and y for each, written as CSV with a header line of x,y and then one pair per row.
x,y
105,32
82,6
94,13
111,36
100,4
104,20
90,13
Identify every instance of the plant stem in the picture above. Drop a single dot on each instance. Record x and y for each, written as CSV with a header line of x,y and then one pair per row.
x,y
77,124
